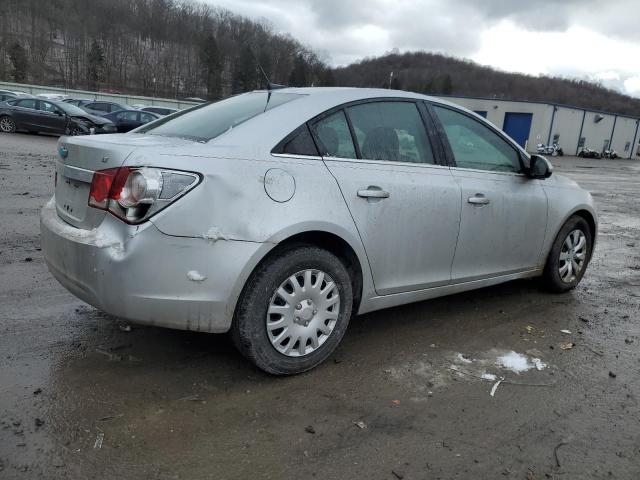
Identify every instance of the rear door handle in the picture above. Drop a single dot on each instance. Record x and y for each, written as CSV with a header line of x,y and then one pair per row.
x,y
373,192
478,199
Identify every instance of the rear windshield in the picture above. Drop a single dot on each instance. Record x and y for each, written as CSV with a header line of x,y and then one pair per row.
x,y
207,121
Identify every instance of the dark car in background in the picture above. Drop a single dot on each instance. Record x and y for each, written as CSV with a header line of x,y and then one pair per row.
x,y
162,111
104,108
47,116
127,120
78,102
4,96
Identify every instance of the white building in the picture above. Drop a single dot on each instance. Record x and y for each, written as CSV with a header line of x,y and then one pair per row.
x,y
530,123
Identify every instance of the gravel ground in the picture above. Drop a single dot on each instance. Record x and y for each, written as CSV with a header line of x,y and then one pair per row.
x,y
403,397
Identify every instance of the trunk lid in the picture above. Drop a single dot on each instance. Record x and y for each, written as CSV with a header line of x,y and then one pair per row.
x,y
79,158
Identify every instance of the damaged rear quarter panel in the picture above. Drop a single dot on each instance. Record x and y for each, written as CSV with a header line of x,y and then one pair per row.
x,y
231,202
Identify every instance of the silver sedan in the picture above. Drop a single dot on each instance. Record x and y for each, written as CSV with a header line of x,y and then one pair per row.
x,y
280,214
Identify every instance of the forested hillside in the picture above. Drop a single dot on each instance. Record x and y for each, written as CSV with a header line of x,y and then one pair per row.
x,y
184,48
439,74
169,48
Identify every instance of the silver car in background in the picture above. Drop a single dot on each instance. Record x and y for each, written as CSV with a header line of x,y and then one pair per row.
x,y
280,214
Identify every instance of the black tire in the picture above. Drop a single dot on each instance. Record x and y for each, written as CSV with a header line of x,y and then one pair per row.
x,y
249,330
7,124
551,276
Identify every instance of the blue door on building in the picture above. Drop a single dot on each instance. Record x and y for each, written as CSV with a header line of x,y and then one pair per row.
x,y
518,126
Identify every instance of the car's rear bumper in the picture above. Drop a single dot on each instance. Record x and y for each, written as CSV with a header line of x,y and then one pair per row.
x,y
143,275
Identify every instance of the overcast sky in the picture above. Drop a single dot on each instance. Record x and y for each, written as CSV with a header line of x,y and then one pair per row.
x,y
593,39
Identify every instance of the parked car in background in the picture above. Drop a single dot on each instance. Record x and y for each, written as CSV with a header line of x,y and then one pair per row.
x,y
104,108
78,102
52,96
15,94
163,111
4,96
127,120
45,116
365,199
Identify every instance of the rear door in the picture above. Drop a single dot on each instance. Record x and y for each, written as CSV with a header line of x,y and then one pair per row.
x,y
504,213
406,205
26,114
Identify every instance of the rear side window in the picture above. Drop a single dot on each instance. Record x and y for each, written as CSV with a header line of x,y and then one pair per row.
x,y
475,145
207,121
27,103
299,142
334,136
391,131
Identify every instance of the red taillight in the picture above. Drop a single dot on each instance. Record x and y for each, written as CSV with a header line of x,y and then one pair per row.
x,y
133,194
106,185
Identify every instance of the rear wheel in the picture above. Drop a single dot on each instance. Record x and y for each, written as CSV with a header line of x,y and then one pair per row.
x,y
569,256
294,310
7,125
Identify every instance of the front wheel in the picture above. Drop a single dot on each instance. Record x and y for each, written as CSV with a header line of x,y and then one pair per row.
x,y
293,311
569,256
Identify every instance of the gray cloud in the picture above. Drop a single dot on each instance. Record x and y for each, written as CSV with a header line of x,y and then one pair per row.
x,y
349,30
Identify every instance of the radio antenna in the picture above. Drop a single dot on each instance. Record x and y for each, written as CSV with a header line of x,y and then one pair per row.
x,y
270,86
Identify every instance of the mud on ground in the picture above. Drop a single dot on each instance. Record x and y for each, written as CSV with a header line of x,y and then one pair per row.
x,y
403,397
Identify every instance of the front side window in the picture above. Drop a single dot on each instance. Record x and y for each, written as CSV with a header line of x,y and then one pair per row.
x,y
475,145
391,131
145,117
128,116
47,107
334,137
100,107
209,120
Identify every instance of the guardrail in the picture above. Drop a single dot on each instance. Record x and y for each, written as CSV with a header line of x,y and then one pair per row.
x,y
108,97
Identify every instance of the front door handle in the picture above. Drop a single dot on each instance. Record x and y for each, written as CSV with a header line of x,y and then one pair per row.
x,y
373,192
478,199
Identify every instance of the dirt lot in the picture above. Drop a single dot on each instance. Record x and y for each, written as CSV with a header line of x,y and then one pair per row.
x,y
403,397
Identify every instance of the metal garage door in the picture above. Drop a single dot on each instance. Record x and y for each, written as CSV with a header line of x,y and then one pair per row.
x,y
517,126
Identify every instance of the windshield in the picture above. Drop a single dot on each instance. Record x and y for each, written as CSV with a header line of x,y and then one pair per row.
x,y
70,109
207,121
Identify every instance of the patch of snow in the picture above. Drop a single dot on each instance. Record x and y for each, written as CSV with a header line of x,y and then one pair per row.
x,y
462,358
195,276
495,387
516,362
568,332
214,234
488,376
539,364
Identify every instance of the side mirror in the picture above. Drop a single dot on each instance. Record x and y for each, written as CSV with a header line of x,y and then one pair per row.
x,y
539,167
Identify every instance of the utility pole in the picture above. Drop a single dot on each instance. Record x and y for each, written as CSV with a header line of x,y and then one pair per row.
x,y
390,79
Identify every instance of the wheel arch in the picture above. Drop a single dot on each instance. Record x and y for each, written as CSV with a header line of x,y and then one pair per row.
x,y
335,242
584,211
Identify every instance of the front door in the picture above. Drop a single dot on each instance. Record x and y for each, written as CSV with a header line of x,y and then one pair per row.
x,y
52,119
504,213
405,206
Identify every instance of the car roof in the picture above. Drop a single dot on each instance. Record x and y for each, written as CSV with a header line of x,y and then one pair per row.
x,y
273,125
